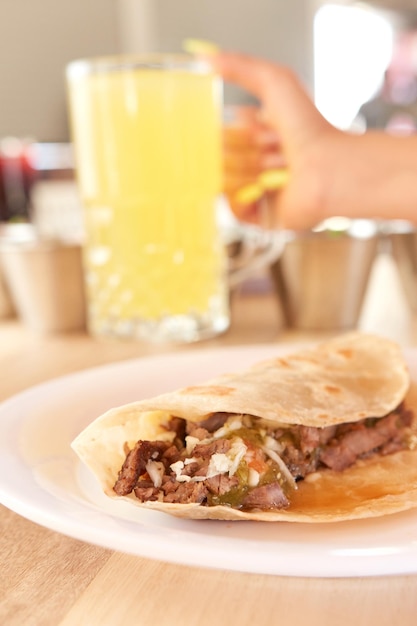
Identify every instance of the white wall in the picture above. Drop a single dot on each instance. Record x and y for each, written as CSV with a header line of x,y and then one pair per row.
x,y
280,30
38,38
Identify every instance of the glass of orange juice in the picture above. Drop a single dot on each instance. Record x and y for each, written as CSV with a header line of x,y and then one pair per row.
x,y
147,142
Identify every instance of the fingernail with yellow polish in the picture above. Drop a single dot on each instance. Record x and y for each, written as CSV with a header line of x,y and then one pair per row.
x,y
270,180
200,47
273,179
249,194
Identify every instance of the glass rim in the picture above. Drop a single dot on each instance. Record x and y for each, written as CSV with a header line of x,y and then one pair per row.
x,y
121,62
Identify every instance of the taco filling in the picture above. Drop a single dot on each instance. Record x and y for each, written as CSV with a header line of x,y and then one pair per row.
x,y
249,463
321,434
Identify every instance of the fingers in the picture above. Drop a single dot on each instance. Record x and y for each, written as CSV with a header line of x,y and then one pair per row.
x,y
249,73
250,147
273,160
241,156
267,138
286,105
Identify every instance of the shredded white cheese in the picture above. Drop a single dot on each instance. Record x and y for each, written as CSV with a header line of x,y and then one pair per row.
x,y
236,453
219,464
273,444
226,463
156,471
253,479
177,468
190,443
234,424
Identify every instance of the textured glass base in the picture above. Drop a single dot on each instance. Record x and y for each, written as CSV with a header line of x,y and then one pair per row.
x,y
168,329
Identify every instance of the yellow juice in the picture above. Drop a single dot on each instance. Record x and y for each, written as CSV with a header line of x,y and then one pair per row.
x,y
148,154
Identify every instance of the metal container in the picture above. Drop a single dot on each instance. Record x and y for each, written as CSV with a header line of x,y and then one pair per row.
x,y
322,275
6,303
45,281
19,231
402,240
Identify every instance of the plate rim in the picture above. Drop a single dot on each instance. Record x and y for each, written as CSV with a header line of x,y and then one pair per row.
x,y
335,563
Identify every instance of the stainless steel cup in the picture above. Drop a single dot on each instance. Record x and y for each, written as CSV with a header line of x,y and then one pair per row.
x,y
6,303
402,239
322,275
11,231
45,280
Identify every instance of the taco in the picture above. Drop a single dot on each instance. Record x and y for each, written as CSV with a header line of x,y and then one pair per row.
x,y
323,434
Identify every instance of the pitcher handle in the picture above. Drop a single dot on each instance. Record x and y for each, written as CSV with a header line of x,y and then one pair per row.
x,y
250,247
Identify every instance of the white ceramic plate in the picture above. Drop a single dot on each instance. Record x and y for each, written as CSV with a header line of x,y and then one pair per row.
x,y
42,480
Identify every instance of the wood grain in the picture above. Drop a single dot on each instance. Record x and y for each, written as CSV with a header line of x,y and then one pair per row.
x,y
47,579
130,590
42,572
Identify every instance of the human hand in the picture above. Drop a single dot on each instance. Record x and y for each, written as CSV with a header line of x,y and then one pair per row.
x,y
251,147
330,172
297,136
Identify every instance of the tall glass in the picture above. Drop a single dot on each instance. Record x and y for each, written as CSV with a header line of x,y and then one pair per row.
x,y
147,140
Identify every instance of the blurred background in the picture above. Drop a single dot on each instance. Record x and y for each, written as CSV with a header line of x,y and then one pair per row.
x,y
340,48
358,60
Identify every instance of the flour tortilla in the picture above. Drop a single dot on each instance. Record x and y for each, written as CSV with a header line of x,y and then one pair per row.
x,y
346,379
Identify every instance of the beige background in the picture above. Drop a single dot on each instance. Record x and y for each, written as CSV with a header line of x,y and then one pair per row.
x,y
39,37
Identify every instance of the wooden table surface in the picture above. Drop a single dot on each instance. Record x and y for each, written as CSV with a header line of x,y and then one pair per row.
x,y
48,579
